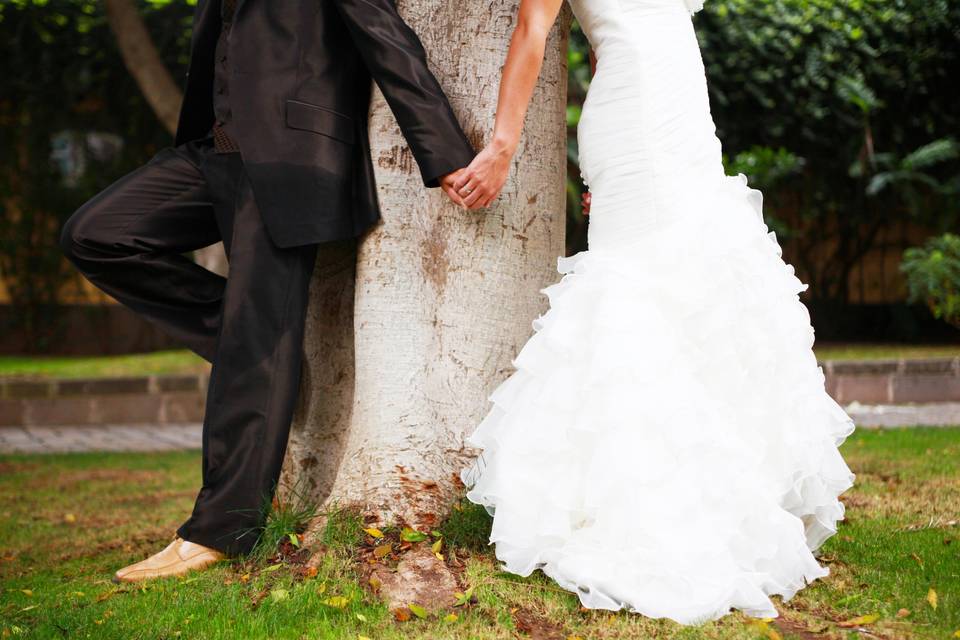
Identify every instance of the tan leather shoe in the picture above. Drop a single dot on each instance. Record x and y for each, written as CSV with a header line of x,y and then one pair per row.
x,y
178,558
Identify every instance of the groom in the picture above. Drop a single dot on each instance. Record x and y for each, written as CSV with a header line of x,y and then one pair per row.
x,y
271,157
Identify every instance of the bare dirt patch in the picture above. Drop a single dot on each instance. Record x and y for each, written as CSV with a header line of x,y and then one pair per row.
x,y
10,468
536,626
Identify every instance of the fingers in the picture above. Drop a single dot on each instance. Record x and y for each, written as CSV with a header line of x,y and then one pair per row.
x,y
463,178
471,190
469,187
453,195
475,197
586,201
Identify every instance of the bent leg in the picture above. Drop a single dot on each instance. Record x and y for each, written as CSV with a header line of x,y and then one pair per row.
x,y
129,240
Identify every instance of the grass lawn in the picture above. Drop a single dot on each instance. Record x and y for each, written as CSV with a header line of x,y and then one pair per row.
x,y
867,351
139,364
172,362
66,522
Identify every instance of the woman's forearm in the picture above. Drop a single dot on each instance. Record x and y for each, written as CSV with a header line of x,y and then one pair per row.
x,y
480,183
520,73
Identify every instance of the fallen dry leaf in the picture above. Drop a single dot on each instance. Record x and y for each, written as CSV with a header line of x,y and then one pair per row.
x,y
932,598
401,614
338,602
903,613
860,621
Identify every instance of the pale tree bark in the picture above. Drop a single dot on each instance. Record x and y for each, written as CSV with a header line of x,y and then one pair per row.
x,y
142,60
444,297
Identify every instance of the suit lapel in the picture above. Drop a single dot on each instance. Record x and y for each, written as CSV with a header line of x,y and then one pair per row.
x,y
206,23
239,8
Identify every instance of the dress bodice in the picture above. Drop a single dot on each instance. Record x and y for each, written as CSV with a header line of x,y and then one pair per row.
x,y
604,20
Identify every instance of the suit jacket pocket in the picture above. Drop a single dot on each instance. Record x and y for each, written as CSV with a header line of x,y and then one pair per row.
x,y
311,117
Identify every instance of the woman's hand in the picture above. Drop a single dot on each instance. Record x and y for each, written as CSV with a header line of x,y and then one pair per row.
x,y
480,183
586,200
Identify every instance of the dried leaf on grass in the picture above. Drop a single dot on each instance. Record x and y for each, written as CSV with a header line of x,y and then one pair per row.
x,y
860,621
337,602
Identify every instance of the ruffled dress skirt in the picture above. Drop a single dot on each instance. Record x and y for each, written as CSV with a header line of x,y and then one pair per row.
x,y
666,445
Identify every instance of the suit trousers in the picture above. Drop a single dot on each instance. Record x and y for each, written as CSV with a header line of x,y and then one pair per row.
x,y
130,241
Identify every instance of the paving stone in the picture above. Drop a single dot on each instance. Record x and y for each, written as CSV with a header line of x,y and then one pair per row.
x,y
178,383
103,386
868,367
11,412
53,411
169,437
27,388
872,389
129,409
68,439
183,407
932,365
925,388
941,414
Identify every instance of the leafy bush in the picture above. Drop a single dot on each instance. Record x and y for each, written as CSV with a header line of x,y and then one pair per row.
x,y
832,83
933,276
63,80
837,83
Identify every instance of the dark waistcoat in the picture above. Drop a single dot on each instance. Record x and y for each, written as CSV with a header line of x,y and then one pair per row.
x,y
223,142
299,81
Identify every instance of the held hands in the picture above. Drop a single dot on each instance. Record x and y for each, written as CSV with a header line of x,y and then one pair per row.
x,y
480,183
447,183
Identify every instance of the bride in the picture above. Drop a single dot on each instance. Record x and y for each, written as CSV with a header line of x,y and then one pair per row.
x,y
666,445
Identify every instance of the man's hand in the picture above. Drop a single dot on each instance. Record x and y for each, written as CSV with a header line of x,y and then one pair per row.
x,y
586,201
481,182
447,183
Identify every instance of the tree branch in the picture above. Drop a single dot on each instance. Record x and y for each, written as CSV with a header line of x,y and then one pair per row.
x,y
142,60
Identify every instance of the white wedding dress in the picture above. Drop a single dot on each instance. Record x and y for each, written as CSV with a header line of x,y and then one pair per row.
x,y
666,444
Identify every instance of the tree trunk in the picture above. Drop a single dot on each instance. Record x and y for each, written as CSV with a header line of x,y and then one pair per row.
x,y
444,297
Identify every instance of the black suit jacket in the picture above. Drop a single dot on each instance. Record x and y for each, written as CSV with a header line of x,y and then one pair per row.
x,y
300,85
